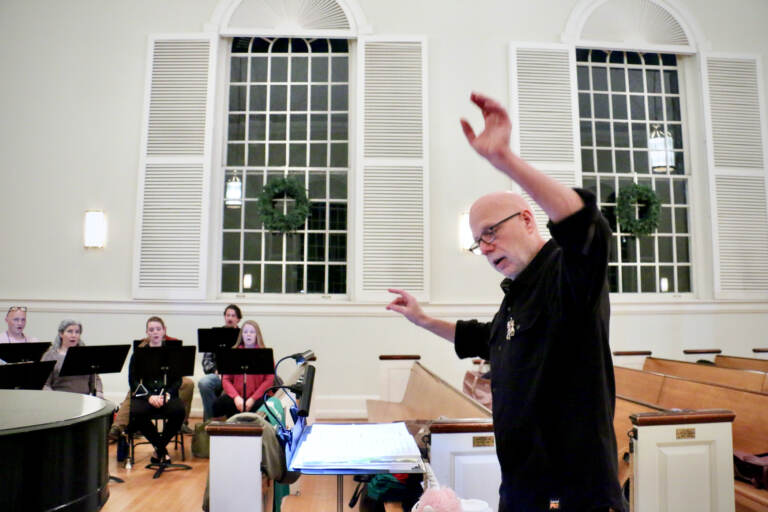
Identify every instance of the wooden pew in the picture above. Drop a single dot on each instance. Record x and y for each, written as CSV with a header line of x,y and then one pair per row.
x,y
461,431
444,400
751,380
742,363
750,427
427,397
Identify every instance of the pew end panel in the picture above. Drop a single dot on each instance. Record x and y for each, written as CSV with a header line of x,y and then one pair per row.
x,y
683,461
463,457
235,467
394,370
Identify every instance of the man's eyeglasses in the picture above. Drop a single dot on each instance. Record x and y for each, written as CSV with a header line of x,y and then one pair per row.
x,y
489,234
17,308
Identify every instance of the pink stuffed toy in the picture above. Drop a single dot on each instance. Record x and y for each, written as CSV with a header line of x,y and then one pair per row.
x,y
440,499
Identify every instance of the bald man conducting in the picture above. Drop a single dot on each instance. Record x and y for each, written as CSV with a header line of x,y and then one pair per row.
x,y
552,376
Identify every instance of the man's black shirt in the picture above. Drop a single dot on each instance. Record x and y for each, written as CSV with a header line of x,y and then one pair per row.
x,y
552,376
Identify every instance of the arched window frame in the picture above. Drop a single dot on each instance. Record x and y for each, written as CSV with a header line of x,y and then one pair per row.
x,y
387,247
738,248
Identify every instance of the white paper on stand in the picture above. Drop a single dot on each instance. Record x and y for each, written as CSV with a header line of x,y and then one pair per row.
x,y
363,446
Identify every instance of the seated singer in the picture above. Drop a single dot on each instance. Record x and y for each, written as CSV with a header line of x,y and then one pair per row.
x,y
69,336
151,398
155,329
231,401
210,384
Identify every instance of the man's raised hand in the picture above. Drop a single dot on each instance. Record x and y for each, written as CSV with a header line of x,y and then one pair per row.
x,y
493,142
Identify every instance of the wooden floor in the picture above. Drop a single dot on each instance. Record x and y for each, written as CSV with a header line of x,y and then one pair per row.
x,y
182,491
174,491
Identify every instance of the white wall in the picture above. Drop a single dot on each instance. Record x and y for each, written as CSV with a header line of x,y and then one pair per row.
x,y
71,101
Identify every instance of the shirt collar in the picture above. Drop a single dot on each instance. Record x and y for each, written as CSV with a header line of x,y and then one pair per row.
x,y
529,272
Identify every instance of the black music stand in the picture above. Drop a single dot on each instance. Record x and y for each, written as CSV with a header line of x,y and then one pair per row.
x,y
94,360
91,361
216,339
169,363
25,375
22,352
257,361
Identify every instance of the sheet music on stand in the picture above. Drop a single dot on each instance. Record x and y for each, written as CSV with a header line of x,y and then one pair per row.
x,y
366,447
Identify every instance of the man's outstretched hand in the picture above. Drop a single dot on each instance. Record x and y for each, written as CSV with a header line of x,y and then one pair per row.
x,y
407,305
493,142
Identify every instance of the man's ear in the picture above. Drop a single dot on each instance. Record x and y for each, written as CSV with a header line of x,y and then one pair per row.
x,y
529,220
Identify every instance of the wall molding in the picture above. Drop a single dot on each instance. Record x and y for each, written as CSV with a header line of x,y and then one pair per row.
x,y
621,306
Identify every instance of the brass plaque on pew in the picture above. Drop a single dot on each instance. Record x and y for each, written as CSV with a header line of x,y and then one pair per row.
x,y
685,433
483,441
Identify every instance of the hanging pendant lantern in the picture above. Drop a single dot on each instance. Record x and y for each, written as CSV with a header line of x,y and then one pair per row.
x,y
660,150
234,193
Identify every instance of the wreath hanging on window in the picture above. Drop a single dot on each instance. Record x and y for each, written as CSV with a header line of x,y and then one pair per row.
x,y
647,221
276,220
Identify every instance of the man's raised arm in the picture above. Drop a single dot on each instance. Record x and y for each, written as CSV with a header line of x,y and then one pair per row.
x,y
557,200
407,305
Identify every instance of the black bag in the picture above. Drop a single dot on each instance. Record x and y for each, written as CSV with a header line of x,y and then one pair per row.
x,y
752,469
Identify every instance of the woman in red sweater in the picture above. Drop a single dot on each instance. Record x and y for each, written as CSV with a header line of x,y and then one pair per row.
x,y
231,400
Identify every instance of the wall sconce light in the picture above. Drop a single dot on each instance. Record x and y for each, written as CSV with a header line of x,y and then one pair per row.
x,y
660,151
465,233
95,229
234,193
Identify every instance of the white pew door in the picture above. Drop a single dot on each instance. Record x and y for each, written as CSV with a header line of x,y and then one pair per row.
x,y
466,462
683,468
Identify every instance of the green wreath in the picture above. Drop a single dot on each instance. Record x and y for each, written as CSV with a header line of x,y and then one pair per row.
x,y
649,204
275,220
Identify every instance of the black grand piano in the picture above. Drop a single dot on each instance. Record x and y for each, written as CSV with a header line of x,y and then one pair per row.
x,y
53,451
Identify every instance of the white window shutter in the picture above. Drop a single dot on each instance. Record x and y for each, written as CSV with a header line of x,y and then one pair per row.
x,y
544,113
736,137
173,203
391,244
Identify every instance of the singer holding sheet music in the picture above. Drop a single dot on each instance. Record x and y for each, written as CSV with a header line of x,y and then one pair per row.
x,y
231,401
151,398
69,336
